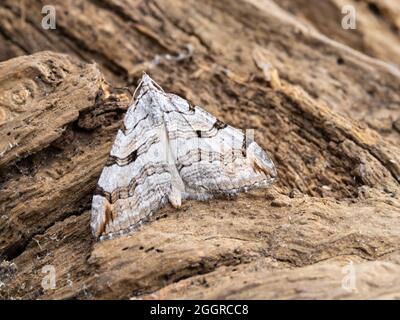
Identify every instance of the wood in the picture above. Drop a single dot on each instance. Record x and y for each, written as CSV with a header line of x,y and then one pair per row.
x,y
324,103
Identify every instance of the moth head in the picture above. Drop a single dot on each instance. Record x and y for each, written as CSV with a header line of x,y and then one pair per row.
x,y
146,83
146,80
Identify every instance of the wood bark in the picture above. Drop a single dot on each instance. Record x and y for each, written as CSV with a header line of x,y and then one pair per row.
x,y
324,102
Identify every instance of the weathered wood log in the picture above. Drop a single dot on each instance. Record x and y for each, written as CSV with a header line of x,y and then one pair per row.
x,y
327,114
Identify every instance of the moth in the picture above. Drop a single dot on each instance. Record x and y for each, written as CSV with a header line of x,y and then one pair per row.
x,y
168,151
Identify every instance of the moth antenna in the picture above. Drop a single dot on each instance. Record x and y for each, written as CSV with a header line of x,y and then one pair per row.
x,y
141,83
155,83
137,88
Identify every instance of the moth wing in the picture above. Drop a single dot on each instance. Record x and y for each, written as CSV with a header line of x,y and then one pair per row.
x,y
213,158
137,178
